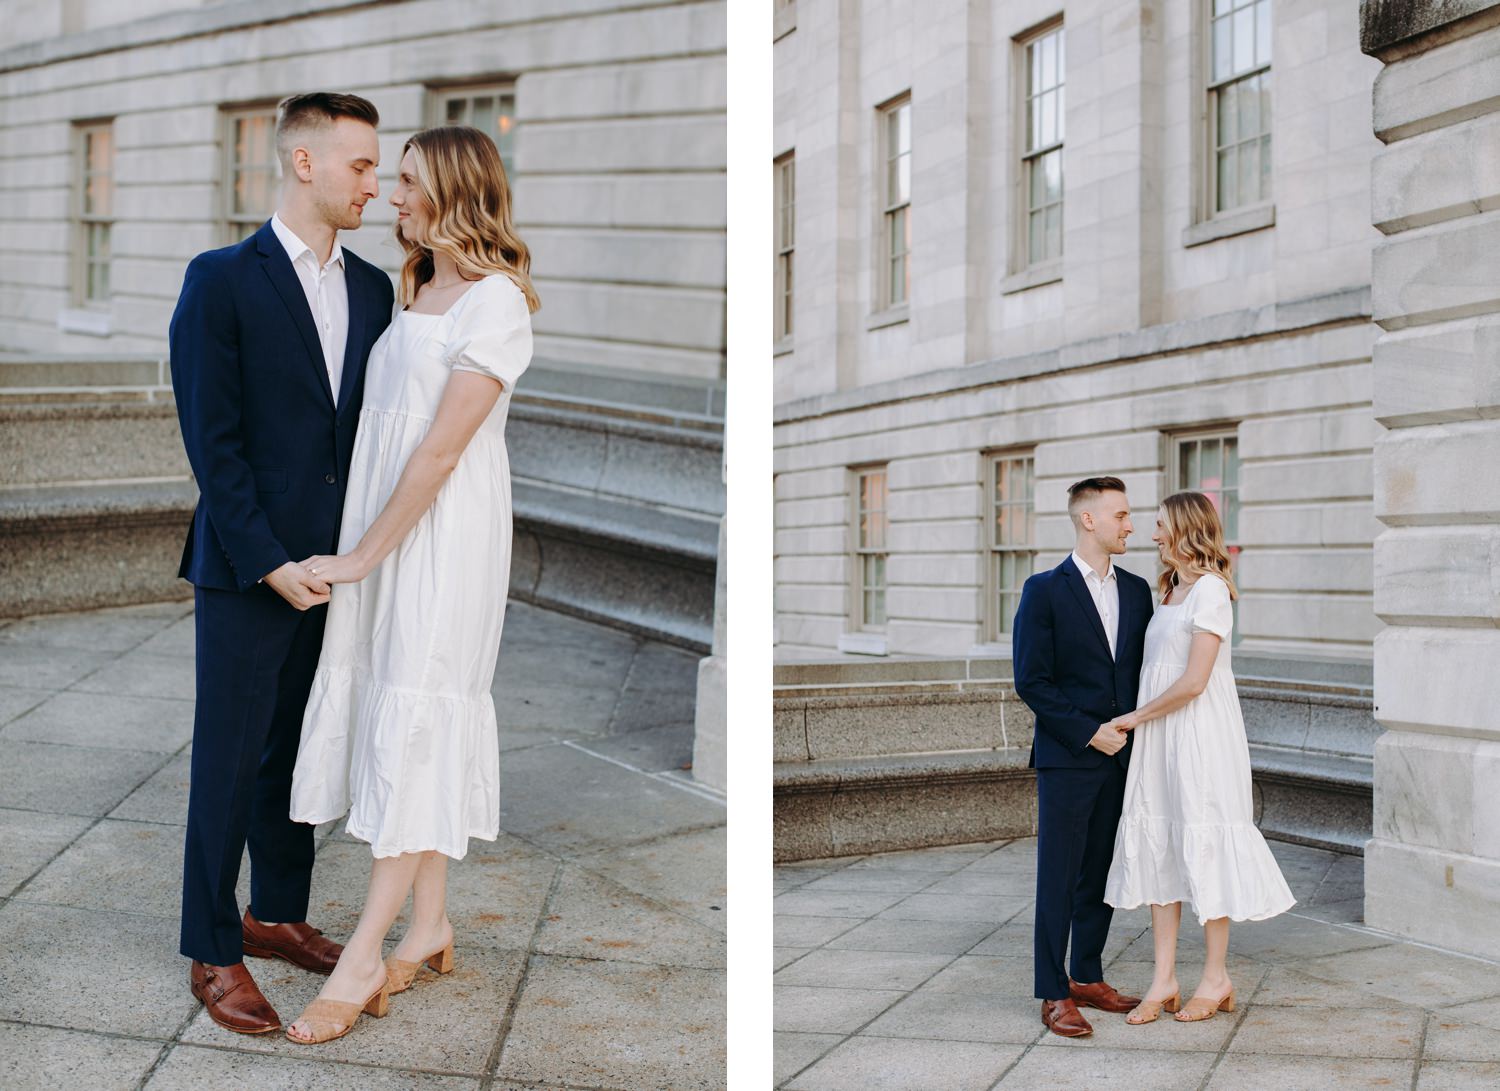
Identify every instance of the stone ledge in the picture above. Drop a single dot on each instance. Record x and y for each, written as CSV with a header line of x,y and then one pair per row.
x,y
632,527
1390,29
902,769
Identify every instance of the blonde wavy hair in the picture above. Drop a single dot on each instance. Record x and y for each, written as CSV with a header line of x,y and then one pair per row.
x,y
1194,540
459,172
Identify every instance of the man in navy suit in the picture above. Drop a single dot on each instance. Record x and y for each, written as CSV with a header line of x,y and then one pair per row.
x,y
1079,635
268,343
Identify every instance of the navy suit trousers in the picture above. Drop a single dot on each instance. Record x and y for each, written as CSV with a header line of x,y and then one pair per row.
x,y
256,655
1077,813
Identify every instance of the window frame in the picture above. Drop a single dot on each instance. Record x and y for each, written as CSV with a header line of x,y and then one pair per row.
x,y
784,182
858,552
996,621
1222,431
235,226
1021,261
886,303
85,221
1208,197
440,95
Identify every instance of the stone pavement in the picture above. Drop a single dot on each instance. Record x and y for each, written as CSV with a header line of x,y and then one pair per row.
x,y
911,971
590,935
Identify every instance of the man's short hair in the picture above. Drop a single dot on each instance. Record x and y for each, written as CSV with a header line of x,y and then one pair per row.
x,y
296,115
1081,492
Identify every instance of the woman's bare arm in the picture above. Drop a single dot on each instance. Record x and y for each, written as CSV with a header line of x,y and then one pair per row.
x,y
1189,684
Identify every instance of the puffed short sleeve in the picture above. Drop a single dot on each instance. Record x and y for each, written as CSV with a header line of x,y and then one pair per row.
x,y
492,331
1212,611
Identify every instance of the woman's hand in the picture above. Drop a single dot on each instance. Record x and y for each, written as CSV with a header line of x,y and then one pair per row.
x,y
343,568
1127,722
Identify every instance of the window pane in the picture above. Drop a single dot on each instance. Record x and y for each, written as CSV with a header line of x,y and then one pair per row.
x,y
1211,479
1248,95
1222,6
456,111
901,181
1222,53
1061,111
1033,69
1249,182
1265,168
1188,466
1054,231
1033,124
786,313
1225,114
1244,39
1226,191
1052,169
1049,118
1037,226
1263,32
1048,49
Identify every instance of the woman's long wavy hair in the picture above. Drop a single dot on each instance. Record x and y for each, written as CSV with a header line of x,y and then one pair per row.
x,y
459,171
1195,542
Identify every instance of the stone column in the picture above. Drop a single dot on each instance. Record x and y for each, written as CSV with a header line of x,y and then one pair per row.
x,y
711,720
1432,870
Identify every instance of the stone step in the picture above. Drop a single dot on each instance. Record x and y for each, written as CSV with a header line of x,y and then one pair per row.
x,y
89,441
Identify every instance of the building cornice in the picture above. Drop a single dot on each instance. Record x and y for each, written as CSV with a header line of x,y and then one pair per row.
x,y
1231,327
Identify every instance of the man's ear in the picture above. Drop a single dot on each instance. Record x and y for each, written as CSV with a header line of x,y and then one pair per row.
x,y
302,164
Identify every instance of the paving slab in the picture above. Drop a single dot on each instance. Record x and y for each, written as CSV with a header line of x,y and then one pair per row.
x,y
39,666
46,1057
886,1064
116,866
1458,1076
17,700
1408,973
448,1023
1247,1072
785,956
58,982
190,1068
163,797
1088,1070
107,721
958,907
1339,1032
797,930
178,638
881,880
71,779
863,969
497,892
592,1023
684,871
593,917
142,674
1450,1039
795,1051
960,1017
828,1011
985,975
114,630
921,937
31,840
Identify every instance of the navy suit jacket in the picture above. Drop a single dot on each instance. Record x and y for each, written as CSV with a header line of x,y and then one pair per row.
x,y
268,448
1063,667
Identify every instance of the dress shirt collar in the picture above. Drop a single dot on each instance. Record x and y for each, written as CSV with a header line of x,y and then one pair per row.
x,y
295,247
1086,571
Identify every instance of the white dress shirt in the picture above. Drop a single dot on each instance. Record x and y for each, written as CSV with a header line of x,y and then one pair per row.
x,y
1106,592
327,297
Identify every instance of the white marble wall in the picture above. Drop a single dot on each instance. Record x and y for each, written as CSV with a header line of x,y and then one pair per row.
x,y
619,159
1432,870
1144,334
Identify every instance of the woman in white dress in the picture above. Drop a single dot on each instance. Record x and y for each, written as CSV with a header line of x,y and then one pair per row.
x,y
1187,830
399,731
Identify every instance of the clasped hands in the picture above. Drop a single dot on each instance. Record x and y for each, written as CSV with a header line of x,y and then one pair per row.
x,y
308,584
1111,737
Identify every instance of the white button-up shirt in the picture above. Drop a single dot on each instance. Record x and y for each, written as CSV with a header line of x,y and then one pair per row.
x,y
1106,592
327,297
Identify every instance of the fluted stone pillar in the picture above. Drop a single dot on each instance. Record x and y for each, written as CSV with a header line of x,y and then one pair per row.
x,y
1432,870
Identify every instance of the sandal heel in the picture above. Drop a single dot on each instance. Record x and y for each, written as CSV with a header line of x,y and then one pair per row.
x,y
1173,1005
442,961
1227,1004
379,1004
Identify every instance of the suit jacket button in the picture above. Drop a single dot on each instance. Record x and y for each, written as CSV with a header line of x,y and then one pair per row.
x,y
329,478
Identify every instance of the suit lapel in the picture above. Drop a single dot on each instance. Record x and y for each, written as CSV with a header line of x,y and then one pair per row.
x,y
1122,623
283,277
354,343
1074,579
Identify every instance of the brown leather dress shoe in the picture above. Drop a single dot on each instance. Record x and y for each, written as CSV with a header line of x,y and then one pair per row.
x,y
1101,995
300,944
232,998
1063,1017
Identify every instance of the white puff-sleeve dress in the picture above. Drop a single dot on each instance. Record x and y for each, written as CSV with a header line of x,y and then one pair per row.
x,y
399,731
1187,830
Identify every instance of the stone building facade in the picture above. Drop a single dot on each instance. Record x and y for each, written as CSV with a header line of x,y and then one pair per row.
x,y
136,133
1020,242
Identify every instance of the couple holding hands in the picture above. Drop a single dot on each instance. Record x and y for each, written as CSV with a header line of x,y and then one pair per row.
x,y
1142,766
317,419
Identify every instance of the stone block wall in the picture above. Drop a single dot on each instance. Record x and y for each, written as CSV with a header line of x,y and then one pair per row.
x,y
619,162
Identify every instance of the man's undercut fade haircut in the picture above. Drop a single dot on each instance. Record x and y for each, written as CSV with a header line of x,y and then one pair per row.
x,y
298,115
1081,492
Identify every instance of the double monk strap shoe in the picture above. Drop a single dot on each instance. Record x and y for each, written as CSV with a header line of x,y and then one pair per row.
x,y
232,998
1101,995
300,944
1063,1017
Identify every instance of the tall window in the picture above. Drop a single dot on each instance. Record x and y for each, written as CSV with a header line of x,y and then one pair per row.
x,y
491,109
895,126
1209,462
786,228
95,210
1239,103
1041,159
252,174
870,525
1012,540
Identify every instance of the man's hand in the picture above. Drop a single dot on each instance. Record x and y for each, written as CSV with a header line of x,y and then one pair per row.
x,y
298,586
1128,721
1109,739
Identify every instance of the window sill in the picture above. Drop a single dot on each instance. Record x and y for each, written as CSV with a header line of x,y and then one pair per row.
x,y
991,650
785,21
93,321
892,317
1034,277
1233,223
783,347
862,643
